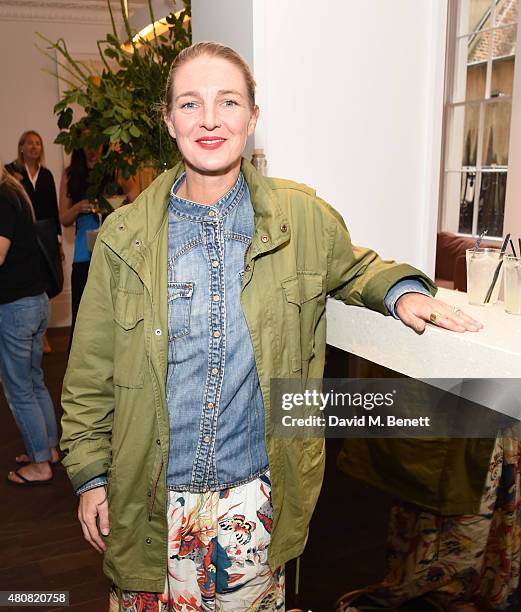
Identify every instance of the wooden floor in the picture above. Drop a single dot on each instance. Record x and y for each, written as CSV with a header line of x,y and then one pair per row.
x,y
42,547
41,544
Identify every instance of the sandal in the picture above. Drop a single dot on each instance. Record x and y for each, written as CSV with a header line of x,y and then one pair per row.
x,y
26,482
361,600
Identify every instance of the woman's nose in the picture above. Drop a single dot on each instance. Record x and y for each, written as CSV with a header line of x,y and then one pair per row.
x,y
210,119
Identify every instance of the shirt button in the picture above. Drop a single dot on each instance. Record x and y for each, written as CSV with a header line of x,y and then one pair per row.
x,y
206,439
216,297
212,213
216,334
158,332
215,263
247,268
211,405
265,239
214,371
148,540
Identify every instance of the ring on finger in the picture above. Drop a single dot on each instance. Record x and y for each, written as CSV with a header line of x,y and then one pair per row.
x,y
434,317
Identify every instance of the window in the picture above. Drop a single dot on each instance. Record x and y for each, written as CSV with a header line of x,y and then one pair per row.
x,y
480,77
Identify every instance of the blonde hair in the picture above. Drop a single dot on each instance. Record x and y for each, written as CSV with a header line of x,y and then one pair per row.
x,y
21,141
13,184
212,49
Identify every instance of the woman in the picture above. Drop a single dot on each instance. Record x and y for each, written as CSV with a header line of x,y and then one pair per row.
x,y
38,182
76,208
210,285
24,314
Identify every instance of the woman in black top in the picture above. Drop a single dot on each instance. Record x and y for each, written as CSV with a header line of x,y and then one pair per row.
x,y
24,314
38,183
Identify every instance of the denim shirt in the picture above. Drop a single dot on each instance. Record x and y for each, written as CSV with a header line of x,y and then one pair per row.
x,y
215,405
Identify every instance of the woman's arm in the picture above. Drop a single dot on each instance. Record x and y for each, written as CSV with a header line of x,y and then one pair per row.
x,y
129,186
5,245
68,211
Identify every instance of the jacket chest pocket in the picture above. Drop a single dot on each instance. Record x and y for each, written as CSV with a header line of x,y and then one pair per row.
x,y
129,340
179,308
302,294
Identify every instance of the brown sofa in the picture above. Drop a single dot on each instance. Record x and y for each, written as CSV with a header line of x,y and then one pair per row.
x,y
451,267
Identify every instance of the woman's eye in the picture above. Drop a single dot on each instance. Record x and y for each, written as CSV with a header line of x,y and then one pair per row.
x,y
229,103
188,105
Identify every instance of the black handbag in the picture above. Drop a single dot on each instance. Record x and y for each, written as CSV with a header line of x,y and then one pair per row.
x,y
51,257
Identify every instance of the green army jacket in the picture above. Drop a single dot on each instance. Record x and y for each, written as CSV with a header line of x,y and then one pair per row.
x,y
115,412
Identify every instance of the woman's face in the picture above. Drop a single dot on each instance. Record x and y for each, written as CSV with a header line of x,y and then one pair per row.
x,y
32,148
211,116
92,156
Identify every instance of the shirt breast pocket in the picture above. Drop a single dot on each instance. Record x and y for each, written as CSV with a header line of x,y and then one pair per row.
x,y
129,339
302,294
179,308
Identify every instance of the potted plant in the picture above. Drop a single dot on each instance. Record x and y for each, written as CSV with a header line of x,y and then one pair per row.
x,y
121,107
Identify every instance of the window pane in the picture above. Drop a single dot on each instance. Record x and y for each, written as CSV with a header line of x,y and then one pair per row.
x,y
492,203
496,135
503,52
506,12
463,137
466,201
473,15
471,67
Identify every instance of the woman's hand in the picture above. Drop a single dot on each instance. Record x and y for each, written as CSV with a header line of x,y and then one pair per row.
x,y
416,309
84,206
93,503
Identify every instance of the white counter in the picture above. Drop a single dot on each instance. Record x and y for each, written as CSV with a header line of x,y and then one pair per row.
x,y
493,352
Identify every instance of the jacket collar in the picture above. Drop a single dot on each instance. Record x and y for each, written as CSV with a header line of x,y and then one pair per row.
x,y
138,225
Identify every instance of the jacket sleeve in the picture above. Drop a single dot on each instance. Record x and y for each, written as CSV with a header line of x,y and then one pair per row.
x,y
357,275
88,393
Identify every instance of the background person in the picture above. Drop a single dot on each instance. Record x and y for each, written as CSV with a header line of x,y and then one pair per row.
x,y
210,285
24,314
37,180
76,209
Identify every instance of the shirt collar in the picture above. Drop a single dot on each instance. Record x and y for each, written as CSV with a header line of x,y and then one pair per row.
x,y
34,178
193,211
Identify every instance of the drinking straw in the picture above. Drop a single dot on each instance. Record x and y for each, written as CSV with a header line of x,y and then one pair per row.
x,y
498,268
512,247
480,238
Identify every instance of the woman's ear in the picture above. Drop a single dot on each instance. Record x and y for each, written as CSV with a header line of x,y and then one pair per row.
x,y
169,125
253,120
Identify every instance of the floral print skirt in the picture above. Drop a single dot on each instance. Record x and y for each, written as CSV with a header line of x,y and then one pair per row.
x,y
217,554
467,562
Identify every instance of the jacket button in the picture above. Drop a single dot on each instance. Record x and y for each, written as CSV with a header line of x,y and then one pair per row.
x,y
265,239
283,228
158,442
148,540
137,242
121,227
158,332
247,268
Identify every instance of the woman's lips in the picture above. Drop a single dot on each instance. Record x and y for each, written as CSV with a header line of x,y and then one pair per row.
x,y
210,143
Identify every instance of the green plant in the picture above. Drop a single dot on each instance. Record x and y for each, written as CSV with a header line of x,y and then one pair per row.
x,y
122,105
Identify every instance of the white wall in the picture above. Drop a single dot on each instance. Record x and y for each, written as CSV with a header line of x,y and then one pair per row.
x,y
215,20
28,96
351,96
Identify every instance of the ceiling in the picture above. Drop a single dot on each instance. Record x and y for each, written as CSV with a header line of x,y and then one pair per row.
x,y
86,11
